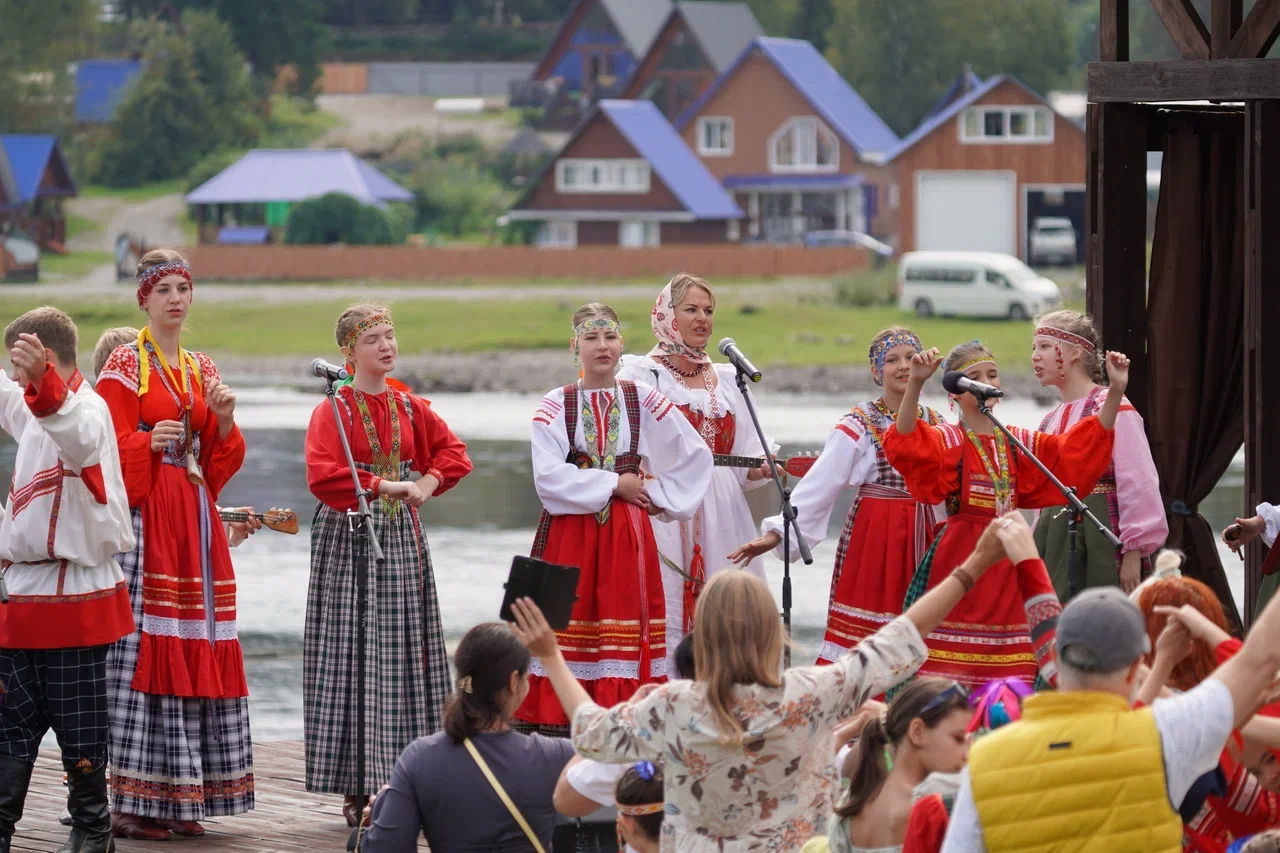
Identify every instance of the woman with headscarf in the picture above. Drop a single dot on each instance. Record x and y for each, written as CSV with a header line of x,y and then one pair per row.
x,y
678,366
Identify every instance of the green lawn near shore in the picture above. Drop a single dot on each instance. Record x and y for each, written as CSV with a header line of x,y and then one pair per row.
x,y
812,332
74,264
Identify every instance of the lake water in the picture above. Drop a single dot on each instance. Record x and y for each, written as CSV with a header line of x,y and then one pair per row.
x,y
475,529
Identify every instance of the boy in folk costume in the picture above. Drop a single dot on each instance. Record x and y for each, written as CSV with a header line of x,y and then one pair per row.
x,y
66,520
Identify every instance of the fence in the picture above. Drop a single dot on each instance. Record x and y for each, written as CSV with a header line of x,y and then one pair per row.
x,y
446,79
515,263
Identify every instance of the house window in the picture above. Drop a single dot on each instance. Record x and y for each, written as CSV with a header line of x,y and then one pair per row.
x,y
733,231
804,145
558,234
894,200
715,136
1006,125
576,175
633,234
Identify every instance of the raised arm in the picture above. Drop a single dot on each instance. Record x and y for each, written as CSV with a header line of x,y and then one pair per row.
x,y
1254,667
1118,376
923,365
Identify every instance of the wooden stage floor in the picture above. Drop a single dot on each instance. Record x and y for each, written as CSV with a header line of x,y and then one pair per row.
x,y
286,817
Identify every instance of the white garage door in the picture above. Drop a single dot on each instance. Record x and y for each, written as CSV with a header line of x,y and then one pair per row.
x,y
966,211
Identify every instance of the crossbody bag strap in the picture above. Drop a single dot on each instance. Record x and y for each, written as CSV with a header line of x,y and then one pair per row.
x,y
502,794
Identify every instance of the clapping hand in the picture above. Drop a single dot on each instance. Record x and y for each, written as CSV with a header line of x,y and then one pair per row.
x,y
1118,371
221,400
1198,625
29,357
1016,537
1174,643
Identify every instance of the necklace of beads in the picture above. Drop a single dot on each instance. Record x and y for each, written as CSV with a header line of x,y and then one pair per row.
x,y
707,429
997,472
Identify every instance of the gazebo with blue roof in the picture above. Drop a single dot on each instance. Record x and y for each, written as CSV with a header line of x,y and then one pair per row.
x,y
263,185
38,179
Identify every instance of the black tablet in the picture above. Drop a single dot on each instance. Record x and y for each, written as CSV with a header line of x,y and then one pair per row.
x,y
553,588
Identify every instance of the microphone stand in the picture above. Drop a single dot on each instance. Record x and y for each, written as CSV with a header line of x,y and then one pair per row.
x,y
788,513
1077,512
365,540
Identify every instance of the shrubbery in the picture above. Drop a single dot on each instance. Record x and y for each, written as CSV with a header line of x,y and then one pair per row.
x,y
337,218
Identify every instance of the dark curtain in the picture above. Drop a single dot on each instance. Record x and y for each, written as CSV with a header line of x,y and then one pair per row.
x,y
1195,320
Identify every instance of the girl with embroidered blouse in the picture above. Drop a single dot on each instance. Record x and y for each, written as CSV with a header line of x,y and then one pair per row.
x,y
1065,355
971,467
748,748
683,321
405,456
608,455
179,747
887,530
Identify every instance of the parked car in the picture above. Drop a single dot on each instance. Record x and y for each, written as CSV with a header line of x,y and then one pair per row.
x,y
1052,240
848,238
973,284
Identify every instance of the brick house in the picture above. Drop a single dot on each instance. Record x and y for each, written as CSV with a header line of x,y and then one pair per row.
x,y
594,54
798,147
977,173
698,42
626,178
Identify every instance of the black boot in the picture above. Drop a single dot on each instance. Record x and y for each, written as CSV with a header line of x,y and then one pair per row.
x,y
87,802
15,776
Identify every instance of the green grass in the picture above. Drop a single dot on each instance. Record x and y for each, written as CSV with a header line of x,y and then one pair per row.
x,y
134,195
71,265
774,333
80,224
294,124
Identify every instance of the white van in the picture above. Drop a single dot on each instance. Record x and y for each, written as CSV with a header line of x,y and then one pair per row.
x,y
973,284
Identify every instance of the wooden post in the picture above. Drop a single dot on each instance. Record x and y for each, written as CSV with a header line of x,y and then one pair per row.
x,y
1261,303
1113,31
1116,234
1224,20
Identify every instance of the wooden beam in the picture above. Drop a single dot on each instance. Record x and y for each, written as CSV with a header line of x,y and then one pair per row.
x,y
1184,26
1116,234
1113,30
1184,80
1224,20
1261,304
1258,32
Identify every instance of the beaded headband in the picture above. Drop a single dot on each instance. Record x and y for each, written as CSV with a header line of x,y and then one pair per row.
x,y
1066,337
148,278
363,326
637,811
986,359
596,323
881,347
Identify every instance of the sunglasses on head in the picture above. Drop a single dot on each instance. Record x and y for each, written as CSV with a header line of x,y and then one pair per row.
x,y
946,697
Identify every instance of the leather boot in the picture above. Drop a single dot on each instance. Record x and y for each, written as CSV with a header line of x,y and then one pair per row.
x,y
87,802
15,777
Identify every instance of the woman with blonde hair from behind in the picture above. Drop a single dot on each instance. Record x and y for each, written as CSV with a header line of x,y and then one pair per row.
x,y
748,746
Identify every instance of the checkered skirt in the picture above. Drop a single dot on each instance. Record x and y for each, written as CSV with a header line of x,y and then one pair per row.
x,y
406,665
172,758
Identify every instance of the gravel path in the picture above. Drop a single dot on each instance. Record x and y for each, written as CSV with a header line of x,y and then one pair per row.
x,y
370,120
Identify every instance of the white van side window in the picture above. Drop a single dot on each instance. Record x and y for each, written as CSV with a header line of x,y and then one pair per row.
x,y
941,275
998,280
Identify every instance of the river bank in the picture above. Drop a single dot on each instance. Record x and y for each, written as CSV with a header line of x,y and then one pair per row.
x,y
535,371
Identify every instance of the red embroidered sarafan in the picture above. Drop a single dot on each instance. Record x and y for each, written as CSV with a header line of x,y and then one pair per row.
x,y
189,645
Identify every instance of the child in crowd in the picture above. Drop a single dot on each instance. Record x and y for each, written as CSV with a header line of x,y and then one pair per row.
x,y
640,807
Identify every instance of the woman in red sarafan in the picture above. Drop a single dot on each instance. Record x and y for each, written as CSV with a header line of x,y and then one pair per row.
x,y
180,749
972,468
590,441
406,455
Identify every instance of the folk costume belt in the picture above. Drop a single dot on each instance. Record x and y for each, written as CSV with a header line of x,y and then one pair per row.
x,y
925,520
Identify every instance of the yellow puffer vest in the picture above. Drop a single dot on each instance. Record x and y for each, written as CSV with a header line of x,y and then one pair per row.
x,y
1079,772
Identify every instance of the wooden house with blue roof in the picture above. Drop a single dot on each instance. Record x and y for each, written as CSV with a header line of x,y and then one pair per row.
x,y
794,143
39,180
626,178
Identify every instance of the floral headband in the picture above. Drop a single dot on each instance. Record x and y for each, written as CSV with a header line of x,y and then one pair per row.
x,y
1066,337
151,276
880,348
363,326
593,324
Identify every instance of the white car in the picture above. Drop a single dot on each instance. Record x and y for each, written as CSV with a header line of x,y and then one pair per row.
x,y
1052,239
973,284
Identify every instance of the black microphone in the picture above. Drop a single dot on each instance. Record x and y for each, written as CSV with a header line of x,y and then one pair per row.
x,y
729,349
957,383
328,371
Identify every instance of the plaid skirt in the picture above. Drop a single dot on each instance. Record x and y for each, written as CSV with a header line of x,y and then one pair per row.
x,y
406,665
172,758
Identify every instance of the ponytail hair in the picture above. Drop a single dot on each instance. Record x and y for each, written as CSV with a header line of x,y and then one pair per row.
x,y
870,767
485,659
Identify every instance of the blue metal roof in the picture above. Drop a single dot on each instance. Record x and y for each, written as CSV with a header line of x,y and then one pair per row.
x,y
29,156
827,92
929,125
245,235
269,174
962,84
798,183
100,84
654,139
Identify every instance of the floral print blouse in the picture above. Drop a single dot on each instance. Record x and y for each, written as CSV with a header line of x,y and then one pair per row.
x,y
775,791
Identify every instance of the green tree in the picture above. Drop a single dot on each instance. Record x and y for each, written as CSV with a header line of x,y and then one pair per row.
x,y
161,128
813,21
37,40
221,68
277,33
337,218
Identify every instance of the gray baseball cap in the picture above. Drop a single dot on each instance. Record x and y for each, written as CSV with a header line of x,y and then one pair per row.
x,y
1101,631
